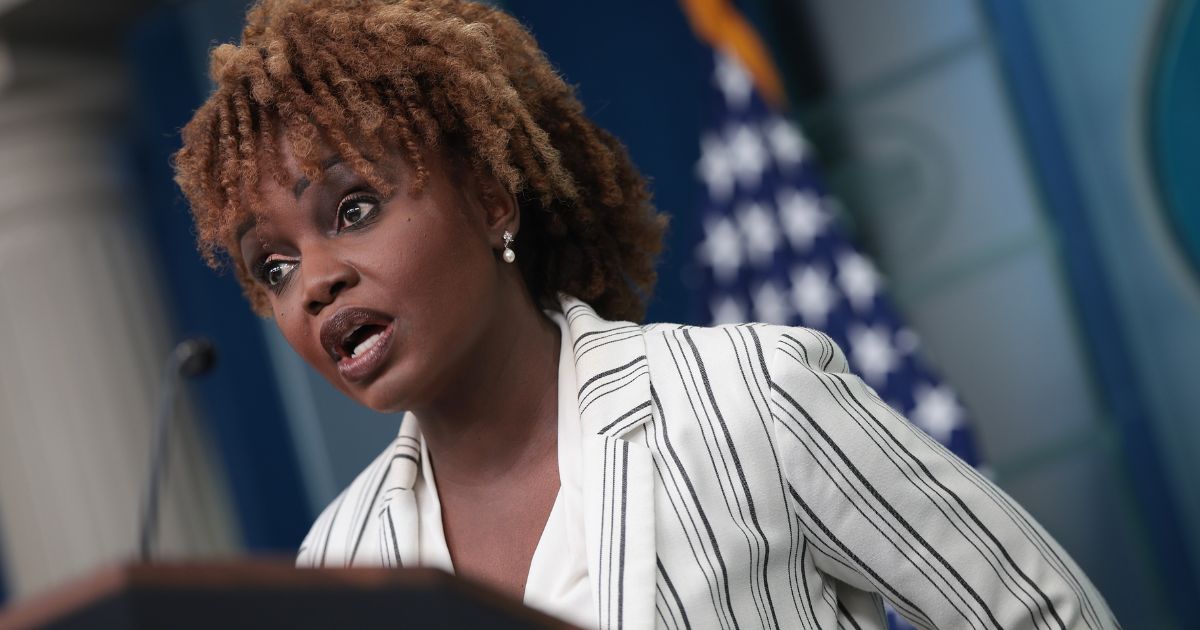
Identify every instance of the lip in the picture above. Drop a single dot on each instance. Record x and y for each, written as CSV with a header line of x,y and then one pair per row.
x,y
337,329
365,365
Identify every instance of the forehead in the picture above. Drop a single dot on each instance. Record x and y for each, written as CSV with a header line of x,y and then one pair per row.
x,y
283,189
283,177
273,192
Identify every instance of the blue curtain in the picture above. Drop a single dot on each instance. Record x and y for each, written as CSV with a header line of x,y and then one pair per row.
x,y
649,103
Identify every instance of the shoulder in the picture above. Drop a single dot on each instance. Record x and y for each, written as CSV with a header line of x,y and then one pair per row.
x,y
723,403
769,342
752,384
778,349
742,375
337,530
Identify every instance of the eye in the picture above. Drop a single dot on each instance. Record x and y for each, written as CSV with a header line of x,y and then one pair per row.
x,y
274,272
355,211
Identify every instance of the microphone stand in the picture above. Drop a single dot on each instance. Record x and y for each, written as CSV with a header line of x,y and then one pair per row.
x,y
190,358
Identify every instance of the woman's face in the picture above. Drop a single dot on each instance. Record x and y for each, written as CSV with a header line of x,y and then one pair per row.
x,y
386,298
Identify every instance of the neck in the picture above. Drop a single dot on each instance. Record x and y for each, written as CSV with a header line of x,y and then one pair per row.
x,y
499,418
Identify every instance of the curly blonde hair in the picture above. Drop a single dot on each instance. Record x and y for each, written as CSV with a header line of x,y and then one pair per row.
x,y
365,77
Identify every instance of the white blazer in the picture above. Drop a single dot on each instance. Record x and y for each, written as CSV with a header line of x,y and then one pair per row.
x,y
741,477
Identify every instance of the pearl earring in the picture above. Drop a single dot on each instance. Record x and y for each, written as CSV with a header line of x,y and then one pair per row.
x,y
509,255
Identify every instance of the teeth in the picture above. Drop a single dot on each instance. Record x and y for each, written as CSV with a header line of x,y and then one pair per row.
x,y
366,344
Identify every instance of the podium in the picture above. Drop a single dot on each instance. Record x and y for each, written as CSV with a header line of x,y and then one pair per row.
x,y
260,594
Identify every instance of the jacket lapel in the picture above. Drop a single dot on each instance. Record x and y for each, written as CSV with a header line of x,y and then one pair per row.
x,y
618,481
397,523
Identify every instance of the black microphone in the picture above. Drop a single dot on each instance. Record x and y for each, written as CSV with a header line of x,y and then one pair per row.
x,y
192,357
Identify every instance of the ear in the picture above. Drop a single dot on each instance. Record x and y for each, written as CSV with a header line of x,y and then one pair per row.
x,y
501,213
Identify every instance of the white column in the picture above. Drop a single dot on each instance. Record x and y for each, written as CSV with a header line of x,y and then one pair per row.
x,y
82,338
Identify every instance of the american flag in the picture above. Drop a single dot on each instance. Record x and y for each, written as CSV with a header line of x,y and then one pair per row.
x,y
773,252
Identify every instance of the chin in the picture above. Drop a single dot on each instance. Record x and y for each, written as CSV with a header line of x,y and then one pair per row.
x,y
377,398
389,393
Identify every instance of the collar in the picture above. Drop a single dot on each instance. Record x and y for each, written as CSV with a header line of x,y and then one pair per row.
x,y
611,371
613,377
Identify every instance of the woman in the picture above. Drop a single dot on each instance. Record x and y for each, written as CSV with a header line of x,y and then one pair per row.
x,y
417,200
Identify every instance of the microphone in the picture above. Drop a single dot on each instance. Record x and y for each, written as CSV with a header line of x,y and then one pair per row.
x,y
195,356
192,357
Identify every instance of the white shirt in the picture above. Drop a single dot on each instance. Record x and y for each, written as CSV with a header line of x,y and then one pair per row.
x,y
558,580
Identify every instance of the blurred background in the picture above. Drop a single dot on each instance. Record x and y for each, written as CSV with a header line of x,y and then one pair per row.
x,y
1019,172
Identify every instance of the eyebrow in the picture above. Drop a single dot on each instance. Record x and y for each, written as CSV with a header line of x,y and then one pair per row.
x,y
297,190
303,183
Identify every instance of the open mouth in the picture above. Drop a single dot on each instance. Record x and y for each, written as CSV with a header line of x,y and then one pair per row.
x,y
364,350
362,339
357,340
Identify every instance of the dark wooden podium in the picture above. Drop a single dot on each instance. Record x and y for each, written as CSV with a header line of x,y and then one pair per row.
x,y
260,594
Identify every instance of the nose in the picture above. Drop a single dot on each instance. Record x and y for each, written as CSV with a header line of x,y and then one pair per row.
x,y
325,277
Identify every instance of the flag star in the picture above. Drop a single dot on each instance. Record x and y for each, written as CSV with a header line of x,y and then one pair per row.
x,y
727,309
936,411
714,167
747,155
858,279
771,304
871,353
813,295
733,80
787,144
722,248
762,235
907,341
802,217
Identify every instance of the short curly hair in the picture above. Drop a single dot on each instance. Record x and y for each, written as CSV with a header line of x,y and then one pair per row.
x,y
365,77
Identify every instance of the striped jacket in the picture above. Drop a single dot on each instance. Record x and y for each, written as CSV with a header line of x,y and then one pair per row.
x,y
741,477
